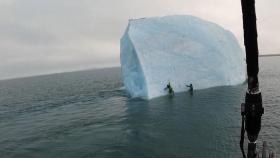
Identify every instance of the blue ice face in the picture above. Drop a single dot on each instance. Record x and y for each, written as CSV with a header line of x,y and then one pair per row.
x,y
182,50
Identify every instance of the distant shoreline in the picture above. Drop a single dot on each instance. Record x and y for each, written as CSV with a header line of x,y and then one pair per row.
x,y
58,73
269,55
40,75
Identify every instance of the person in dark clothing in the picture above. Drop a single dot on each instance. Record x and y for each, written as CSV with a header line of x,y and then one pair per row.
x,y
169,88
191,87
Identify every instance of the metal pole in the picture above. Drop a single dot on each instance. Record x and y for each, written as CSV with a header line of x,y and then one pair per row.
x,y
253,100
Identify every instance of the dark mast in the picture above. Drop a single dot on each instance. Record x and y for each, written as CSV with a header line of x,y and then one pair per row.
x,y
251,42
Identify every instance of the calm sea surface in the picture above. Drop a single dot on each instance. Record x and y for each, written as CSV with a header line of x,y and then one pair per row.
x,y
88,114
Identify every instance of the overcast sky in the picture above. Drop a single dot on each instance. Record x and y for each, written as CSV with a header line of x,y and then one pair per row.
x,y
50,36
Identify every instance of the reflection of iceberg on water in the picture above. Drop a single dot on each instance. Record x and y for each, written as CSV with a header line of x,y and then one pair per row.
x,y
182,50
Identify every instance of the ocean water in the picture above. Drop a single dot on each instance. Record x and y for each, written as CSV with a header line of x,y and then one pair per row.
x,y
88,114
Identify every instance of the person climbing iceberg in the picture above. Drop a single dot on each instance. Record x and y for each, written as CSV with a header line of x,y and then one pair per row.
x,y
169,88
191,87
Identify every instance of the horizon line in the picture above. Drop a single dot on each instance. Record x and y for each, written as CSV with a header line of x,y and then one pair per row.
x,y
100,68
57,73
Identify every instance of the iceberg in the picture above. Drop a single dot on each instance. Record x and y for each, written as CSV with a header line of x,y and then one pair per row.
x,y
179,49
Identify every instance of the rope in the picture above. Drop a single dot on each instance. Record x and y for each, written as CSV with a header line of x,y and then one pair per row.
x,y
242,137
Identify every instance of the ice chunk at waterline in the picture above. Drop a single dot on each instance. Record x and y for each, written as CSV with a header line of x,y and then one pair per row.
x,y
182,50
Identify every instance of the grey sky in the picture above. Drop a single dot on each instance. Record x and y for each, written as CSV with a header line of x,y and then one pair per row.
x,y
49,36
